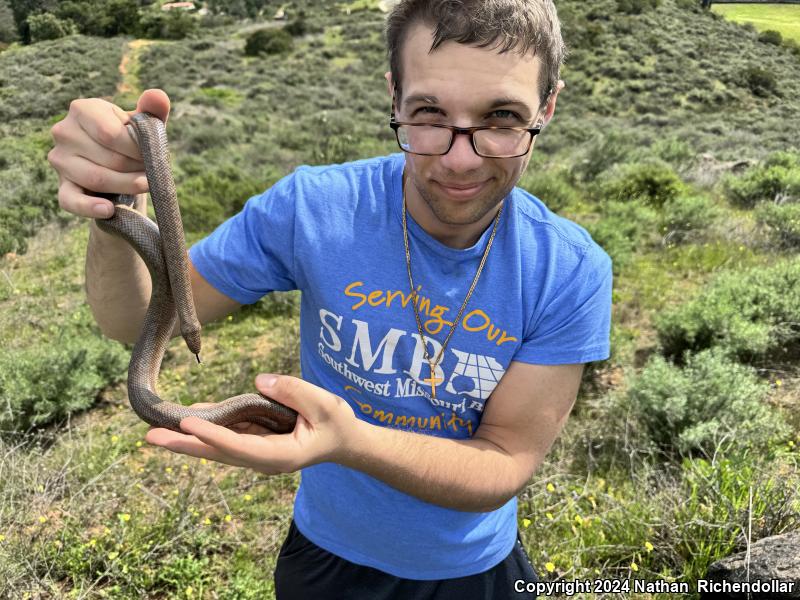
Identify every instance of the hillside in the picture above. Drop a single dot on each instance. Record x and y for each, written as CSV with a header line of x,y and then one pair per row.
x,y
675,143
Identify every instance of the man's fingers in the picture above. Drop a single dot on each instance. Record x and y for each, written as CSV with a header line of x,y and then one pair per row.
x,y
154,101
236,445
111,131
191,445
311,401
73,199
97,178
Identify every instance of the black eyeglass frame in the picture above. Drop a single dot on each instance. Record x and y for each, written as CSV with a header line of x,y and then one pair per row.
x,y
470,131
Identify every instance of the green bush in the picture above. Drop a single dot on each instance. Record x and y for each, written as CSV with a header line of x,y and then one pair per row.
x,y
636,7
653,183
46,383
172,25
551,187
713,402
268,41
604,152
623,227
297,27
761,82
771,37
47,26
783,222
752,316
686,214
778,177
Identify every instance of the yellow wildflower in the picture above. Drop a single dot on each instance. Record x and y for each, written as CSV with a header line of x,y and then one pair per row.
x,y
228,518
42,519
175,492
207,521
634,566
168,469
184,467
106,531
112,555
549,515
526,523
778,382
247,497
578,520
138,443
648,546
203,461
550,567
2,537
551,487
124,517
189,591
114,439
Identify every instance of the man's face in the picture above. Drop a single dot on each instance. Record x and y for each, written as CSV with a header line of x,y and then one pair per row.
x,y
466,87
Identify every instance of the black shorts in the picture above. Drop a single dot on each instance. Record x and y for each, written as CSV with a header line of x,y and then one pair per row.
x,y
307,572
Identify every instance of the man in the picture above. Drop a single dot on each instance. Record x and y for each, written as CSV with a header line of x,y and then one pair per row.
x,y
424,413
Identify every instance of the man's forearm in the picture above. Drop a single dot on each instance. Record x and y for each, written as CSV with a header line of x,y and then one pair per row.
x,y
472,475
117,283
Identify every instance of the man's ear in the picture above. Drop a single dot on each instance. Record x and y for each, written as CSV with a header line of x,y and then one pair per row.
x,y
550,108
390,89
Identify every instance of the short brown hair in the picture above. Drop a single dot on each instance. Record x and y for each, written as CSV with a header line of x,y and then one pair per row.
x,y
504,25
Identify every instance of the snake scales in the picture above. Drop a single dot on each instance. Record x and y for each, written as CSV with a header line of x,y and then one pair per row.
x,y
163,249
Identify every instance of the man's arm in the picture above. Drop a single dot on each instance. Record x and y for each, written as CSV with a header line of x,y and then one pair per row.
x,y
118,287
523,417
522,420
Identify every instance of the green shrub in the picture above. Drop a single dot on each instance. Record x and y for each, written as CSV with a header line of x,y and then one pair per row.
x,y
268,41
296,28
46,383
172,25
551,187
713,402
686,213
771,37
47,26
783,222
604,152
761,82
636,7
623,227
752,316
778,177
211,197
653,183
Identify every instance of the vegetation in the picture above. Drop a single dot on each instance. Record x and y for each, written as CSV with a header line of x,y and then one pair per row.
x,y
652,150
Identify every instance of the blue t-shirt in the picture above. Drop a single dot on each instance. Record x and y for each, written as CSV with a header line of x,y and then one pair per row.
x,y
335,233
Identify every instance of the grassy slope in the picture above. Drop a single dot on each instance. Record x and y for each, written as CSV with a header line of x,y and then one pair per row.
x,y
112,509
784,18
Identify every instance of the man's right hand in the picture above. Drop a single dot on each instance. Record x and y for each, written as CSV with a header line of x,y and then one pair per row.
x,y
94,152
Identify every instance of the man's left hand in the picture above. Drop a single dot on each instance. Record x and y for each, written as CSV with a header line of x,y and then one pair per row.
x,y
320,435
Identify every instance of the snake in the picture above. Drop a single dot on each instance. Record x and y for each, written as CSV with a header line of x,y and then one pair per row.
x,y
162,247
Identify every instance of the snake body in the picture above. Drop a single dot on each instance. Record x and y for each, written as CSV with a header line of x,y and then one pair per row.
x,y
162,246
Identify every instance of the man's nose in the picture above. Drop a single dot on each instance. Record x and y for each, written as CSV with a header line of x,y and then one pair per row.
x,y
462,156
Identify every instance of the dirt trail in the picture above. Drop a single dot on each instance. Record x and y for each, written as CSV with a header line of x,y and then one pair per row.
x,y
129,83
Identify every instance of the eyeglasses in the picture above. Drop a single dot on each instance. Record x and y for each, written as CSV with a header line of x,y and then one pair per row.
x,y
487,141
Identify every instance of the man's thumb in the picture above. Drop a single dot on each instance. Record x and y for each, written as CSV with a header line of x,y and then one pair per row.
x,y
155,102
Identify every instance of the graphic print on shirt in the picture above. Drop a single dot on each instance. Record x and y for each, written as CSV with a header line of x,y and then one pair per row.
x,y
385,368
